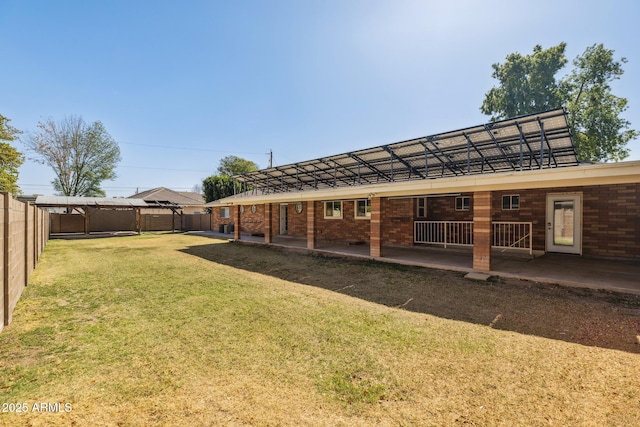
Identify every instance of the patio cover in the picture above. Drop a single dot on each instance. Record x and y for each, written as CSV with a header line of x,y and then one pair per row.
x,y
536,141
102,202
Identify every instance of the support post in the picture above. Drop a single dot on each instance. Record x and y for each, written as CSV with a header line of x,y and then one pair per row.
x,y
87,226
375,244
236,222
482,231
311,224
267,223
138,221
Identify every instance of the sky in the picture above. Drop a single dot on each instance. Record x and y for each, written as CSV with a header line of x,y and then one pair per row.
x,y
180,85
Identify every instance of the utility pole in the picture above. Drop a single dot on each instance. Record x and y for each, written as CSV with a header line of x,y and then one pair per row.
x,y
270,158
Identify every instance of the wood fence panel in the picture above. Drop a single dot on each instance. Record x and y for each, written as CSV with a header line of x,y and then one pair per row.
x,y
23,234
3,263
112,220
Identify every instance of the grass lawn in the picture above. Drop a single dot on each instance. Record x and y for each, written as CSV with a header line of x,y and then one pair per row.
x,y
183,330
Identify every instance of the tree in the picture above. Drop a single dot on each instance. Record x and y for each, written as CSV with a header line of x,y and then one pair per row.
x,y
233,165
81,155
218,187
527,85
222,185
10,158
594,112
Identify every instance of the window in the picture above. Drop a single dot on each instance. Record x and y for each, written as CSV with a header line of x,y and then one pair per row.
x,y
333,209
224,212
363,209
462,203
421,207
511,202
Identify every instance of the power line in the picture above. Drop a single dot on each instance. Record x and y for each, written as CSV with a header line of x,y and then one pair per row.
x,y
166,169
189,148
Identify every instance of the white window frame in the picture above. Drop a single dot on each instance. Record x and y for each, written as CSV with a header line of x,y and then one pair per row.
x,y
463,207
333,210
367,204
223,214
511,206
419,208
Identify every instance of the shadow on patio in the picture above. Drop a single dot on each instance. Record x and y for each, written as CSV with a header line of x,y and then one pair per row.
x,y
583,316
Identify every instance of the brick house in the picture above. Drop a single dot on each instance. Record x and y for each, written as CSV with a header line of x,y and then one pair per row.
x,y
515,184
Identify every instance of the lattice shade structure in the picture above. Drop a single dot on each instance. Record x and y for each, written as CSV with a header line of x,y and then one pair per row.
x,y
535,141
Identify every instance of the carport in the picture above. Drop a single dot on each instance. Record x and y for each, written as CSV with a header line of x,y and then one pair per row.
x,y
83,205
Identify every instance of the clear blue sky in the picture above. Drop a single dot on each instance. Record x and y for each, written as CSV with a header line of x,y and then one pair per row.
x,y
181,84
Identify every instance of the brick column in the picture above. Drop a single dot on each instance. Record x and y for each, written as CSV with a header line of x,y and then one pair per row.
x,y
236,222
311,224
375,246
482,231
267,222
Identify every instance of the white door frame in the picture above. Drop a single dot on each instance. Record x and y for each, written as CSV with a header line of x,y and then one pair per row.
x,y
553,243
284,219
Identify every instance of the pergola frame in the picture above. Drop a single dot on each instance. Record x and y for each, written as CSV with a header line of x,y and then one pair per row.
x,y
535,141
82,205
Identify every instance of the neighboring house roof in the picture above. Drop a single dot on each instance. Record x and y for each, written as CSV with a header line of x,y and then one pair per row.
x,y
162,194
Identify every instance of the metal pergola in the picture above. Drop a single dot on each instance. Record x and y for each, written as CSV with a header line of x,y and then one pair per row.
x,y
535,141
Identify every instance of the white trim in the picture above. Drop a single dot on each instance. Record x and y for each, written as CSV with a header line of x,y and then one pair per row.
x,y
324,210
355,209
462,209
510,196
550,245
426,207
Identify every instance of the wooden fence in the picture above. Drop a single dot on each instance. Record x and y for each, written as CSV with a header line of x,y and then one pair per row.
x,y
125,220
23,236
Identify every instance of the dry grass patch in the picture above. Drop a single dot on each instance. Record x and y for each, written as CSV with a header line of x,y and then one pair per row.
x,y
139,331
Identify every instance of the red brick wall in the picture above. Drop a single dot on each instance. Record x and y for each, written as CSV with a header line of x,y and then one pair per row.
x,y
610,217
250,222
218,220
444,209
611,221
346,229
397,221
297,221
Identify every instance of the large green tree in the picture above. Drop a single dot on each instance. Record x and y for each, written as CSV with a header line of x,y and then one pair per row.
x,y
234,165
10,158
600,132
221,185
81,155
528,84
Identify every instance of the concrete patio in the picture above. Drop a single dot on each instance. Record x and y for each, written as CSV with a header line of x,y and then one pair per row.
x,y
567,270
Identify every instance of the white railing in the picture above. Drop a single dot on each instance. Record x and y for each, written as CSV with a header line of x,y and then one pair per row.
x,y
443,232
513,235
506,235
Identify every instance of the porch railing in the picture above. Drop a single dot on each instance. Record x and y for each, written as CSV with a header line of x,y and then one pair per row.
x,y
506,235
443,232
513,235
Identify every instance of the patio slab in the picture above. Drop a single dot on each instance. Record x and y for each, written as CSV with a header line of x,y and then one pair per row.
x,y
562,269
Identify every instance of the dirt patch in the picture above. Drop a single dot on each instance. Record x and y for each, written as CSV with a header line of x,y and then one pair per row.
x,y
584,316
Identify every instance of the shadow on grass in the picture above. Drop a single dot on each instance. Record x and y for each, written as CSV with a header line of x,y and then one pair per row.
x,y
583,316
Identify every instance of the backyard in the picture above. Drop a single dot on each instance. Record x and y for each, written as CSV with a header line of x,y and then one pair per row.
x,y
184,330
